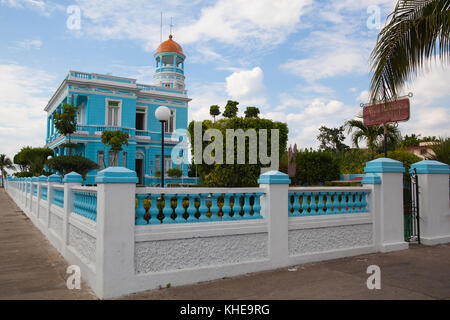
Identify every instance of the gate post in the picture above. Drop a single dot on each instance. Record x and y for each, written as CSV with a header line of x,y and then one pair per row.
x,y
116,194
434,203
275,209
388,212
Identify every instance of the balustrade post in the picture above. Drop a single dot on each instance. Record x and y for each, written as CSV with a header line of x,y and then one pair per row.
x,y
28,194
434,203
52,180
387,203
41,180
33,191
70,180
275,209
116,194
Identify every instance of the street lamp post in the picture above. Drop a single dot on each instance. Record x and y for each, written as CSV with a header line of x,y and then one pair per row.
x,y
162,113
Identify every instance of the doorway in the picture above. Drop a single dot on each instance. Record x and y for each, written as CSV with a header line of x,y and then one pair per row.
x,y
140,171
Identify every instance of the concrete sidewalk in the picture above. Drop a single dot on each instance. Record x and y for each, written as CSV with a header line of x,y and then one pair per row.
x,y
30,268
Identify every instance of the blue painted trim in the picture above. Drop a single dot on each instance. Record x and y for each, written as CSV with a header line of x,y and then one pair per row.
x,y
430,166
34,179
73,177
116,175
274,177
54,178
371,178
383,165
42,178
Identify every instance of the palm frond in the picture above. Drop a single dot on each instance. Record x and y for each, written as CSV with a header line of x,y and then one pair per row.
x,y
417,31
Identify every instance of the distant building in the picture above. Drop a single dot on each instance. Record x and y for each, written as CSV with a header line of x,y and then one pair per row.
x,y
107,102
423,150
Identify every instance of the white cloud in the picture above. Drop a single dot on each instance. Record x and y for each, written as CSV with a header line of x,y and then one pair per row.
x,y
28,44
243,24
428,121
304,118
237,22
431,85
332,53
203,96
43,7
24,92
363,96
247,86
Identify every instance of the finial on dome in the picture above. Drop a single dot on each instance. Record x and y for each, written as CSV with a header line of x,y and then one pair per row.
x,y
170,37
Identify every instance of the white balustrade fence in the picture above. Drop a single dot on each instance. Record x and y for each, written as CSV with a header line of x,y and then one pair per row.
x,y
127,239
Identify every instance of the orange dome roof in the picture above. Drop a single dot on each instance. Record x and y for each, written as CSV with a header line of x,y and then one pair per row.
x,y
169,46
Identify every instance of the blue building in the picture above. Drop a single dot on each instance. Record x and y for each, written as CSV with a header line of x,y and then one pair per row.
x,y
107,102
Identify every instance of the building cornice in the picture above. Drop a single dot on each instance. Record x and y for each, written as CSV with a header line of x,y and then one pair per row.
x,y
95,82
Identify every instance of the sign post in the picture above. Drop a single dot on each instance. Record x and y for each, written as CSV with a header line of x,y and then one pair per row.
x,y
387,112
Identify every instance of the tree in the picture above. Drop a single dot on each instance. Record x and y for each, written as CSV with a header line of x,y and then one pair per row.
x,y
315,167
67,164
66,123
251,112
418,30
214,111
411,141
115,140
5,163
430,139
33,159
237,175
331,139
441,150
231,109
373,135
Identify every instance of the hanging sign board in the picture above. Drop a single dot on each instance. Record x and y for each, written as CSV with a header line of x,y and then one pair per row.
x,y
380,113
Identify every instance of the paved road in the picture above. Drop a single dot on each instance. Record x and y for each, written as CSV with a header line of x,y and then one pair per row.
x,y
30,268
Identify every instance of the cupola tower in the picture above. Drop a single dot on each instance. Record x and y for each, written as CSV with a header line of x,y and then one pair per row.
x,y
169,65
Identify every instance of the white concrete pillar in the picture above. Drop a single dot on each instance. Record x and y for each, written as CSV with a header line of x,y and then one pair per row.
x,y
434,203
116,194
70,180
275,209
388,220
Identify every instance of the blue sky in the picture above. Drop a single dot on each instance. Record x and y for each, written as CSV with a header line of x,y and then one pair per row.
x,y
304,62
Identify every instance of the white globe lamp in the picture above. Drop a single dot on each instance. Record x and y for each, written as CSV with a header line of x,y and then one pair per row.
x,y
162,113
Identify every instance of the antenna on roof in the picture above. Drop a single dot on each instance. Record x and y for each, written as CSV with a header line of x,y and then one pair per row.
x,y
171,25
160,30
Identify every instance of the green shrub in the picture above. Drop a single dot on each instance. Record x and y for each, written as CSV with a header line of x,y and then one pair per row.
x,y
403,156
315,167
442,150
67,164
174,173
352,161
23,174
